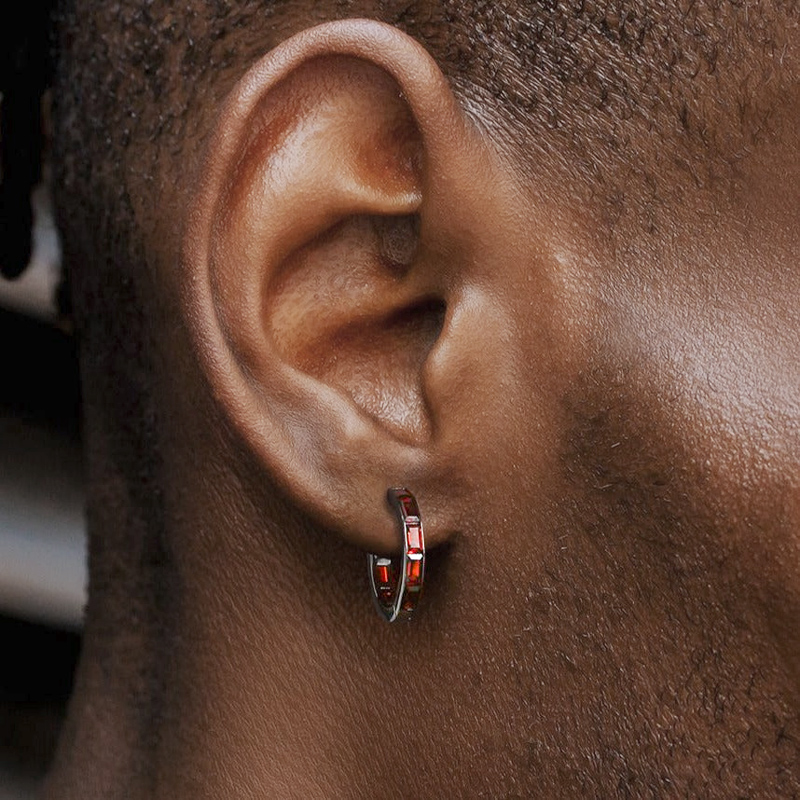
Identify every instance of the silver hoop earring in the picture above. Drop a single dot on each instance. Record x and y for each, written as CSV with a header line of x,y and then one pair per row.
x,y
397,583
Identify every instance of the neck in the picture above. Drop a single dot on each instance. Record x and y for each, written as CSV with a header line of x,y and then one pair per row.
x,y
272,685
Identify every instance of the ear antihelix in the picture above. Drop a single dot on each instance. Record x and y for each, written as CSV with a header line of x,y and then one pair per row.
x,y
345,314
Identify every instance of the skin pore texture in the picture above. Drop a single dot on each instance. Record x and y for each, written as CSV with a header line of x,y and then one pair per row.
x,y
538,262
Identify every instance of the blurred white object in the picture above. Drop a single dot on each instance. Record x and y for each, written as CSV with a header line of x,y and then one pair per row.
x,y
34,292
43,571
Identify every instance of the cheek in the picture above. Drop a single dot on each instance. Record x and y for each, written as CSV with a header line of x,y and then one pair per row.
x,y
742,422
716,401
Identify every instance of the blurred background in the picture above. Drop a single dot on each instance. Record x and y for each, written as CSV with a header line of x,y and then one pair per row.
x,y
42,547
42,558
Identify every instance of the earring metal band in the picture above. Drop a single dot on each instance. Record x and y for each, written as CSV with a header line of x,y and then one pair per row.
x,y
397,583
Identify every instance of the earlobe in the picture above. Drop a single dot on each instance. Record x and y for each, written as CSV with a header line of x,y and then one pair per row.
x,y
323,263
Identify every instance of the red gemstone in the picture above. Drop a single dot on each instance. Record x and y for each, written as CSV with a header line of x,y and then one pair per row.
x,y
382,576
414,570
414,538
408,505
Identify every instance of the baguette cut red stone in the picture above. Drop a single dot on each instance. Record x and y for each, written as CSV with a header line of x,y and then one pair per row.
x,y
382,574
414,537
414,571
408,504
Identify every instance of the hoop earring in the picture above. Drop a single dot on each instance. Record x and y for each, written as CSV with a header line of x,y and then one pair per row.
x,y
396,587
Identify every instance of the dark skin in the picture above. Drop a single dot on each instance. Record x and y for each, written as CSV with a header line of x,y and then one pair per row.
x,y
350,267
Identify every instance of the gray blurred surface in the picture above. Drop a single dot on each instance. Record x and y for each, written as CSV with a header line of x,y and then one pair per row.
x,y
42,548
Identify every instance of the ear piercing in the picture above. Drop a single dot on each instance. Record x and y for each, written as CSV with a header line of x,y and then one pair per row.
x,y
396,587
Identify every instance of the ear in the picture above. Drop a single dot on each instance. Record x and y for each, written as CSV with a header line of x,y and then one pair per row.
x,y
336,269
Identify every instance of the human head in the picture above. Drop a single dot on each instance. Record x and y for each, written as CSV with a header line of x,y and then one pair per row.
x,y
544,276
